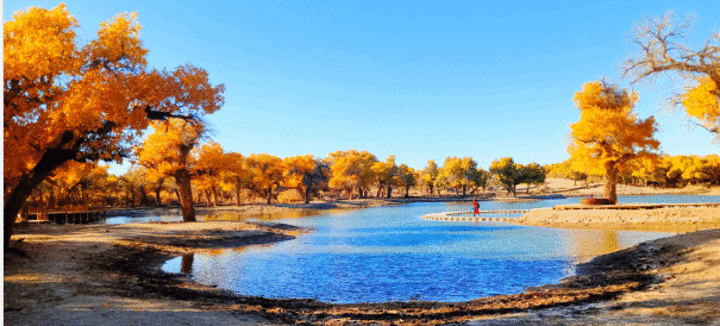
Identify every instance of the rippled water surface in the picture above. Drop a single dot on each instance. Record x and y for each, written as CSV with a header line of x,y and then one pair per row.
x,y
391,253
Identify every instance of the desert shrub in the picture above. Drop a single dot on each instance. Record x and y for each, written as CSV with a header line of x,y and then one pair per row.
x,y
543,189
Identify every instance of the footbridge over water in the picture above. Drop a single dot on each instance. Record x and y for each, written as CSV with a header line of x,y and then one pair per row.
x,y
463,216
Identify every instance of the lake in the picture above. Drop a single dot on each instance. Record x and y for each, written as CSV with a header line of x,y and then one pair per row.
x,y
390,253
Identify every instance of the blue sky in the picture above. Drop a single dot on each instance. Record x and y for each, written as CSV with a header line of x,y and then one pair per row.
x,y
418,80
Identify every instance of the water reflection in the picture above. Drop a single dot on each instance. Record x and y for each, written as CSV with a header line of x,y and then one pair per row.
x,y
270,214
232,214
187,263
583,245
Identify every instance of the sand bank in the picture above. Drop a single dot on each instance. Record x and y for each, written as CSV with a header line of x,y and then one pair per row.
x,y
675,220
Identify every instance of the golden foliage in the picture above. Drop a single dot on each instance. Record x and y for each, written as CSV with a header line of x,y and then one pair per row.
x,y
351,170
702,102
167,149
428,175
209,168
295,169
266,171
609,134
458,172
210,165
507,172
65,101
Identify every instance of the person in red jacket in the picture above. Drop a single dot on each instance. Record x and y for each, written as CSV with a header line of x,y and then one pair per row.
x,y
476,208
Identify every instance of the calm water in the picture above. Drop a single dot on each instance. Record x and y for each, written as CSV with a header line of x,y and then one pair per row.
x,y
391,253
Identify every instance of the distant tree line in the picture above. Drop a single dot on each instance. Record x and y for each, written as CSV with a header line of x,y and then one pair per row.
x,y
221,178
666,171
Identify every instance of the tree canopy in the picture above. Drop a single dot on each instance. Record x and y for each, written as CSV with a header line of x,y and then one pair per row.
x,y
662,48
507,173
609,134
166,152
65,102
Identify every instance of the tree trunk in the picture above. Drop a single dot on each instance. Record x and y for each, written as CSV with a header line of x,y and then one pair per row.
x,y
215,195
269,197
513,190
144,200
389,192
51,160
52,200
13,204
307,194
464,187
132,196
237,193
208,198
182,178
527,190
610,190
158,202
407,192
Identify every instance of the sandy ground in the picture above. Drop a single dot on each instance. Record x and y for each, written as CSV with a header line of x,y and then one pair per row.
x,y
59,281
109,275
674,220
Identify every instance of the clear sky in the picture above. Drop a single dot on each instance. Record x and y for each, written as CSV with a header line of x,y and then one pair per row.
x,y
418,80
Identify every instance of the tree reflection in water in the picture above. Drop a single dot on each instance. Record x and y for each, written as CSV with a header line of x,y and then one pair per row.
x,y
186,264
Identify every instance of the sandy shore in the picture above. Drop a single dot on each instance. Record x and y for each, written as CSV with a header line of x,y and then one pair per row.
x,y
674,220
110,275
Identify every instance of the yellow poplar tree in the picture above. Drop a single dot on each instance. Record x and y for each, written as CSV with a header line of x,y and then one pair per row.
x,y
385,173
65,102
209,167
135,182
428,176
352,170
507,172
305,173
459,173
237,174
609,134
167,152
406,178
532,173
267,172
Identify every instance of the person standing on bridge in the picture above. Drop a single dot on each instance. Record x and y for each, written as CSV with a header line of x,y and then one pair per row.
x,y
476,208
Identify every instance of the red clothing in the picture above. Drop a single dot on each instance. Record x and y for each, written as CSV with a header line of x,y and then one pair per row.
x,y
476,208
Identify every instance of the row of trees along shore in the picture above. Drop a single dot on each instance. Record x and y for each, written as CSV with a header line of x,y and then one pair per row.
x,y
220,177
68,106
